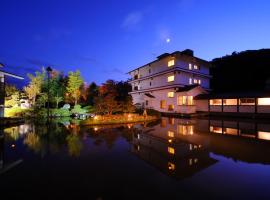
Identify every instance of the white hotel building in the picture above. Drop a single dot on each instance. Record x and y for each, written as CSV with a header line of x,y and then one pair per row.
x,y
170,83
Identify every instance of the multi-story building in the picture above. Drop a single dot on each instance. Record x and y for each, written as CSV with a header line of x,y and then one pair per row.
x,y
169,83
2,89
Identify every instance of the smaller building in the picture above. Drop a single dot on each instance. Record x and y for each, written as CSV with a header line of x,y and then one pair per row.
x,y
3,74
241,103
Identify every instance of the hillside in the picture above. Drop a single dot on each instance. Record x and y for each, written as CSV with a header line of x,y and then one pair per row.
x,y
244,71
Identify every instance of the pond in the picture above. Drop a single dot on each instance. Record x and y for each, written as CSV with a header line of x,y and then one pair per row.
x,y
168,159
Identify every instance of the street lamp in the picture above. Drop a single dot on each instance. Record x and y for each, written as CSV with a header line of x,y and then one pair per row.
x,y
49,70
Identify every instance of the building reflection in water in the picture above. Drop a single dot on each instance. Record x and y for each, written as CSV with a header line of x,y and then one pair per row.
x,y
181,147
172,147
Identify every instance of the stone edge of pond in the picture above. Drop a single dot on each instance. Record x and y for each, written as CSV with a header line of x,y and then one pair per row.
x,y
114,123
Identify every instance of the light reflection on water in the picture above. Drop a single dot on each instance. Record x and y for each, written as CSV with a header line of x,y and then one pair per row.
x,y
185,151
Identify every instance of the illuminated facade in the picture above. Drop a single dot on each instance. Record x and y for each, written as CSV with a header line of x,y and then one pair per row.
x,y
169,83
2,89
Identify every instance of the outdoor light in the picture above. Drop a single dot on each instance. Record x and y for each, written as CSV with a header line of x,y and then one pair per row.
x,y
13,145
96,128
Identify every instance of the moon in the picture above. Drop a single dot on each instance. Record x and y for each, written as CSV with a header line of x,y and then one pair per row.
x,y
168,40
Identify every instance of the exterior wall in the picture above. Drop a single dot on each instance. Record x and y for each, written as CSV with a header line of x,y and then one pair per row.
x,y
2,94
247,109
201,105
215,108
263,109
229,108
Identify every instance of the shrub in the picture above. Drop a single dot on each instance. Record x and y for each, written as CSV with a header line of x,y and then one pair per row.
x,y
78,110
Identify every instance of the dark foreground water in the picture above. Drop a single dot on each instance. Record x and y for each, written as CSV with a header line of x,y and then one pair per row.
x,y
170,159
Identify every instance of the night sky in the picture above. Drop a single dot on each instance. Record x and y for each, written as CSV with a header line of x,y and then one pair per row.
x,y
107,38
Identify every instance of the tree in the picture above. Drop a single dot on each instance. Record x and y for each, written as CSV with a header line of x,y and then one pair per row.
x,y
43,98
10,90
35,85
57,100
92,92
75,81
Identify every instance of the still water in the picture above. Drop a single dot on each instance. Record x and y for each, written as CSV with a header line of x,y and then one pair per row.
x,y
169,159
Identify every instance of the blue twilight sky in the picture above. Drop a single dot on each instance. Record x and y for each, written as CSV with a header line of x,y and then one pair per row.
x,y
107,38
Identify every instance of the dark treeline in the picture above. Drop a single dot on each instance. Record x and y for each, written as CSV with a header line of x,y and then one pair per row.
x,y
244,71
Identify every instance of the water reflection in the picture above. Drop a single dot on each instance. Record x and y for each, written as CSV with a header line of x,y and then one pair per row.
x,y
177,147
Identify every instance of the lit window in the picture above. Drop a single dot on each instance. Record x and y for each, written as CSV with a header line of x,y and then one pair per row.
x,y
170,107
190,81
196,67
171,150
185,100
199,81
162,104
185,129
215,102
264,101
170,63
170,94
171,78
230,102
264,135
190,66
170,134
231,131
171,121
163,122
195,81
215,129
247,101
171,166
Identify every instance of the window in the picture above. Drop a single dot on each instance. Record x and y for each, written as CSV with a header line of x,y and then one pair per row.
x,y
247,101
170,94
185,129
195,81
185,100
264,135
171,120
149,71
170,63
146,102
216,102
190,66
230,102
196,67
150,83
162,104
170,134
171,78
170,107
171,150
215,129
171,166
163,122
199,82
190,81
264,101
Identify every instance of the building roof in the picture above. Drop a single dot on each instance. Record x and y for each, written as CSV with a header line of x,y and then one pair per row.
x,y
234,95
149,95
186,52
186,88
11,75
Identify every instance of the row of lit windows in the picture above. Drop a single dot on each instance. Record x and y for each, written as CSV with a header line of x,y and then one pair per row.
x,y
181,100
196,67
243,101
263,135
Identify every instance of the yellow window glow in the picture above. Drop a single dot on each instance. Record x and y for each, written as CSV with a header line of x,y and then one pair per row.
x,y
230,102
171,150
170,94
190,66
190,81
264,101
264,135
199,82
170,107
171,166
162,104
215,102
171,78
170,63
170,133
196,67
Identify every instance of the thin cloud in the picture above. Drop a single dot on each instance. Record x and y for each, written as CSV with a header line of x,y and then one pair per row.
x,y
132,20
